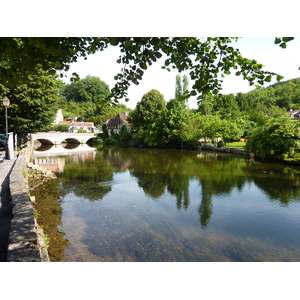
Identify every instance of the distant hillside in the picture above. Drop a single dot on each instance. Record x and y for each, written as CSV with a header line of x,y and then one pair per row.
x,y
285,94
273,100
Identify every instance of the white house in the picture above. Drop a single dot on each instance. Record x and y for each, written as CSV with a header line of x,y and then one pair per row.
x,y
58,117
77,125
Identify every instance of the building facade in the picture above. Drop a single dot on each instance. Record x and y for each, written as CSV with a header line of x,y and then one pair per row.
x,y
114,124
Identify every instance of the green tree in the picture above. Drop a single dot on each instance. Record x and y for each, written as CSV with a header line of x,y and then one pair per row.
x,y
193,128
204,58
105,131
88,89
34,103
62,127
148,109
181,86
85,99
199,126
226,106
174,120
206,106
277,138
155,134
125,136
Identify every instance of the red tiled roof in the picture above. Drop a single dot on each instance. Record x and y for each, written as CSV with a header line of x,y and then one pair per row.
x,y
116,120
77,123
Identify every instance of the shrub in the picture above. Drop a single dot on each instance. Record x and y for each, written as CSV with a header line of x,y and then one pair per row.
x,y
278,138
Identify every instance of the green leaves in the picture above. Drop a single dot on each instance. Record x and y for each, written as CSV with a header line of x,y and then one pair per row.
x,y
206,59
282,41
269,78
34,103
279,77
277,138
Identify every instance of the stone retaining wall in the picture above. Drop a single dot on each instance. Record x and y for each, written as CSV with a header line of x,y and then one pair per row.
x,y
26,243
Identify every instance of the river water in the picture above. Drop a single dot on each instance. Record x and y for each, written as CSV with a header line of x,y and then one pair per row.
x,y
164,205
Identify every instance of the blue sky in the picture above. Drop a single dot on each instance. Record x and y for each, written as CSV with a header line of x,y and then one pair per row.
x,y
275,59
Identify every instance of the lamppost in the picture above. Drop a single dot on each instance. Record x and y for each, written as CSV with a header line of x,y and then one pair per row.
x,y
6,103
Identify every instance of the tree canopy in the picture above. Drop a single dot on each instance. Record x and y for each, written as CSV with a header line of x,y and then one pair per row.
x,y
90,88
85,99
277,138
34,103
148,109
206,59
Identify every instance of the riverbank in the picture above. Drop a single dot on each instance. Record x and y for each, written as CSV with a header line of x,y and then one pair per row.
x,y
26,242
235,151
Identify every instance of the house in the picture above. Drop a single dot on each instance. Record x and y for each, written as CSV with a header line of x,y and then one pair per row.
x,y
116,122
295,114
77,125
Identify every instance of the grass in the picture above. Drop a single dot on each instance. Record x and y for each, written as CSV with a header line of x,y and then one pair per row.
x,y
47,240
236,145
36,214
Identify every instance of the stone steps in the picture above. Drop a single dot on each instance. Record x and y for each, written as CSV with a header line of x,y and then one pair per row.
x,y
37,171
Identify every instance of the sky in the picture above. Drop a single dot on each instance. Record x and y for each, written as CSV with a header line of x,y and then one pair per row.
x,y
285,62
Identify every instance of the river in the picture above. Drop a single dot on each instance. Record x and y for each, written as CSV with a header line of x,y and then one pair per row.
x,y
164,205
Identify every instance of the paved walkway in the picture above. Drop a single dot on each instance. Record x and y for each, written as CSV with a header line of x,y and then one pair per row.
x,y
5,206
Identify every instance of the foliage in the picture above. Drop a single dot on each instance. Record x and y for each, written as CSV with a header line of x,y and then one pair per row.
x,y
125,136
85,99
148,109
226,106
213,126
34,103
206,59
105,131
47,240
154,134
182,86
159,124
88,89
107,112
273,101
81,131
278,138
62,127
175,117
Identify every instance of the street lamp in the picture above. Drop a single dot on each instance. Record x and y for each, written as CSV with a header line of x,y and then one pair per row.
x,y
6,103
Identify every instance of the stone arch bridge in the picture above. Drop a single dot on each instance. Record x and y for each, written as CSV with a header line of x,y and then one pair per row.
x,y
59,137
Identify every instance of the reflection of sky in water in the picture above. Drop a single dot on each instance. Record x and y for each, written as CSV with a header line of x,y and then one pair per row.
x,y
131,226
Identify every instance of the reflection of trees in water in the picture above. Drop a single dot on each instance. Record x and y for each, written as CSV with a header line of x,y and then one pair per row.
x,y
171,170
152,185
205,209
280,184
218,177
178,186
158,171
84,178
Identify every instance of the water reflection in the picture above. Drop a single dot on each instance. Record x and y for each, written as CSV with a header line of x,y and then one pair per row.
x,y
126,201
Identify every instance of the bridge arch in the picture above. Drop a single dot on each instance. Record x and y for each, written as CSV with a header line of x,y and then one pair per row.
x,y
45,141
71,141
90,139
